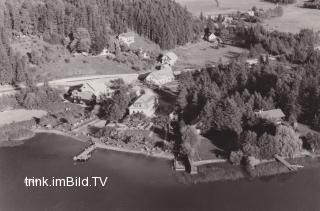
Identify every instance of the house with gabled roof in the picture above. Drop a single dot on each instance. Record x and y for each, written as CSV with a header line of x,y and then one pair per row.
x,y
145,104
169,58
91,90
161,77
274,115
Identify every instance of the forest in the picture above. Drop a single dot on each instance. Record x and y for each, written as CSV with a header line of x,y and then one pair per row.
x,y
222,100
162,21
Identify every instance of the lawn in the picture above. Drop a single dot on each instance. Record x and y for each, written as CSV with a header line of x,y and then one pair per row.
x,y
208,151
200,54
19,115
82,66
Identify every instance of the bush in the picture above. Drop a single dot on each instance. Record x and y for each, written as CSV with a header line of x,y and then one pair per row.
x,y
311,142
236,157
37,97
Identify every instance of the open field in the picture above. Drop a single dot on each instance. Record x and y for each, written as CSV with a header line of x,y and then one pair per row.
x,y
19,115
81,66
294,18
200,54
209,7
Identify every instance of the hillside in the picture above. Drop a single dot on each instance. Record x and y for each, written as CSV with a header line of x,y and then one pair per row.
x,y
38,32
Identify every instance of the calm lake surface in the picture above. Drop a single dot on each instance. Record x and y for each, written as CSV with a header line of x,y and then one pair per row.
x,y
137,183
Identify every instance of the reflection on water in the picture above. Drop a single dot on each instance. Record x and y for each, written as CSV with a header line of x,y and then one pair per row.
x,y
137,183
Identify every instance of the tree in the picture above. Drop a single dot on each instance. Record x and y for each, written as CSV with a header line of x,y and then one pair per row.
x,y
312,142
81,40
236,157
115,108
190,141
289,141
227,116
269,146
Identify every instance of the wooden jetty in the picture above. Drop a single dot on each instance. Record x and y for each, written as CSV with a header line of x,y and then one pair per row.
x,y
287,164
85,154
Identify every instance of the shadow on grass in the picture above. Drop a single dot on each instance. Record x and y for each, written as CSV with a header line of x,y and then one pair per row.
x,y
225,140
232,55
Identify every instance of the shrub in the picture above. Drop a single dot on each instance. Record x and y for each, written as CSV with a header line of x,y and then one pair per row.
x,y
311,142
236,157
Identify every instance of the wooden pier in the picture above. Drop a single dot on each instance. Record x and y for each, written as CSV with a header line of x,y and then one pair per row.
x,y
85,154
287,164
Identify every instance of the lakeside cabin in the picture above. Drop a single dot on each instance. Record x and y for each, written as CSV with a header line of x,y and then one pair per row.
x,y
275,115
145,104
160,77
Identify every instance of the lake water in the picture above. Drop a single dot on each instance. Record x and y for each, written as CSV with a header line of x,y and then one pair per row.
x,y
137,183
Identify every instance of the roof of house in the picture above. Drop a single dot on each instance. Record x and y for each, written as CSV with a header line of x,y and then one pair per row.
x,y
271,114
164,72
127,34
85,95
252,61
171,55
144,100
97,86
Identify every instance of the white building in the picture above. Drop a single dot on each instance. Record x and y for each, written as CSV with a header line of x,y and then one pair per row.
x,y
211,37
169,58
251,13
251,62
126,38
274,115
160,77
145,104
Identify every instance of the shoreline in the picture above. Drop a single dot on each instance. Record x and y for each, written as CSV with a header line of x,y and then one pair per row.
x,y
212,172
228,172
105,146
17,141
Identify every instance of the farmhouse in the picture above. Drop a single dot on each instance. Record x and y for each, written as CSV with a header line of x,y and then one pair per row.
x,y
126,38
145,104
169,58
160,77
210,37
275,115
90,90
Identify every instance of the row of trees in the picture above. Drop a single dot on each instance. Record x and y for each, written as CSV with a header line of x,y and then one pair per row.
x,y
313,4
13,66
282,1
296,48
